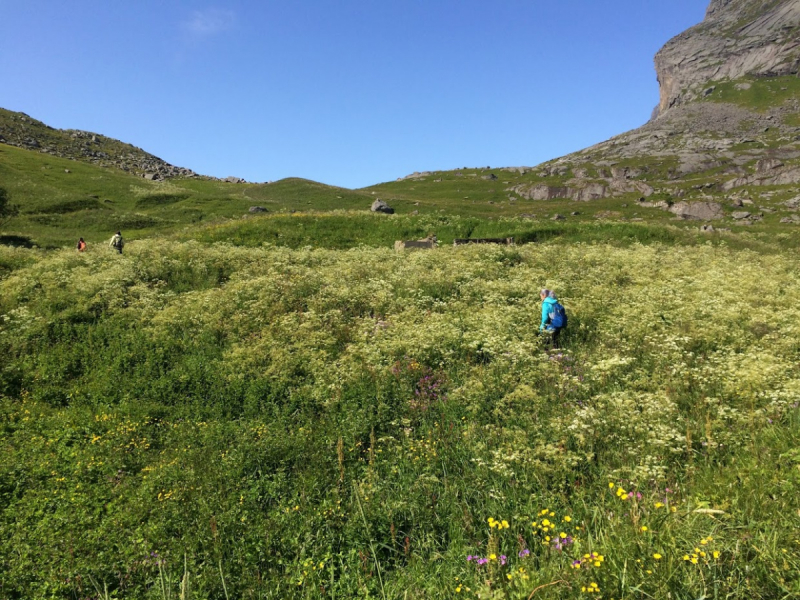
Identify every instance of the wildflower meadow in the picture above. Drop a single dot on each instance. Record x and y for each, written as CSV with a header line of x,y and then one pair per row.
x,y
198,420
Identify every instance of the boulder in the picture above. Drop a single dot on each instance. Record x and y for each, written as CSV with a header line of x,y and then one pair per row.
x,y
557,217
381,207
740,214
702,211
257,209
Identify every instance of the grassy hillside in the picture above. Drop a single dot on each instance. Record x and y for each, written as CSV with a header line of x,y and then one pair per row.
x,y
18,129
57,207
276,423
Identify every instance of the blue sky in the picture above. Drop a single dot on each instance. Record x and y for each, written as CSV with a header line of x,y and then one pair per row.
x,y
347,92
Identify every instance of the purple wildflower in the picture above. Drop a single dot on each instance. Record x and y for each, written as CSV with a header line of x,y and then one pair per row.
x,y
562,542
524,553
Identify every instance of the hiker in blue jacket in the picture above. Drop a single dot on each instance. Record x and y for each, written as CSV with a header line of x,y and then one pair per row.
x,y
554,318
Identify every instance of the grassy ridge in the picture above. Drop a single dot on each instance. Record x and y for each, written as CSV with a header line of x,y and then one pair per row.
x,y
276,423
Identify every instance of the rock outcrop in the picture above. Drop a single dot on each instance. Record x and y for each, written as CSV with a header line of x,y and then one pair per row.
x,y
736,39
702,211
582,191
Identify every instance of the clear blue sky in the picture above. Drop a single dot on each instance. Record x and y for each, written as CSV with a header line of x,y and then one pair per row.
x,y
347,92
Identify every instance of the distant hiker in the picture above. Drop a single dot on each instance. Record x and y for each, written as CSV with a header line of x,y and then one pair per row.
x,y
117,242
554,317
81,245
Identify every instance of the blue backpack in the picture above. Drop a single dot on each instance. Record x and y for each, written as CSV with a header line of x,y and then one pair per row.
x,y
557,316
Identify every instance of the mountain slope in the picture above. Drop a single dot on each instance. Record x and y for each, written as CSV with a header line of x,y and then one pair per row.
x,y
18,129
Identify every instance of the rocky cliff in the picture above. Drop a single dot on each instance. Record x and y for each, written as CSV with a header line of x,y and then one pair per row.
x,y
737,38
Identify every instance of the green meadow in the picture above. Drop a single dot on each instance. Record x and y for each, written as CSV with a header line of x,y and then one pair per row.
x,y
203,420
279,405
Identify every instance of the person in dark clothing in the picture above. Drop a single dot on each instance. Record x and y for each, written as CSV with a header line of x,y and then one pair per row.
x,y
117,242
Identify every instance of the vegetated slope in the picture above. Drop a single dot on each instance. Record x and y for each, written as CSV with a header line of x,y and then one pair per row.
x,y
275,423
18,129
61,200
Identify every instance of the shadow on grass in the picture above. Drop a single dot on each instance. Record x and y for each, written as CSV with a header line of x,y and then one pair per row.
x,y
17,241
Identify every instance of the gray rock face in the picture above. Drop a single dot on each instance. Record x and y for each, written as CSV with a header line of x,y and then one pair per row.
x,y
703,211
582,191
737,38
765,165
740,214
381,207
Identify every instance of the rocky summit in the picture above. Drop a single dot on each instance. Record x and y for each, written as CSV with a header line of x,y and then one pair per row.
x,y
738,38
